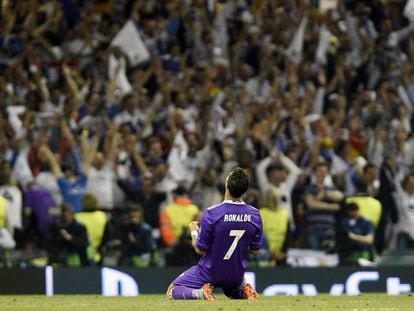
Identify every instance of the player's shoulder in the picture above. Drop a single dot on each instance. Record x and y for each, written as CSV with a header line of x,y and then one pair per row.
x,y
224,206
224,203
253,210
214,207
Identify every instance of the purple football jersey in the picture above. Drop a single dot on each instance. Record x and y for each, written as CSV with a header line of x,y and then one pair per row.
x,y
227,231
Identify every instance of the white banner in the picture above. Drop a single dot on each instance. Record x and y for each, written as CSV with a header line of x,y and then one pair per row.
x,y
130,41
295,49
409,10
325,5
323,45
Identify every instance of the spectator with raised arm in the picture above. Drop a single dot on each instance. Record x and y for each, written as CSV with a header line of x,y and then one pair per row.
x,y
71,184
143,192
278,173
102,177
387,196
404,228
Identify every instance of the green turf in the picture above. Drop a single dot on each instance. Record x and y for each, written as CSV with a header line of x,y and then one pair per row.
x,y
159,302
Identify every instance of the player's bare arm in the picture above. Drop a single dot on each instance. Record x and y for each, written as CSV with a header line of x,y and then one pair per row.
x,y
194,229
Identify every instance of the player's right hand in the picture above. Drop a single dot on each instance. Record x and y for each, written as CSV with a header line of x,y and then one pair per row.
x,y
194,226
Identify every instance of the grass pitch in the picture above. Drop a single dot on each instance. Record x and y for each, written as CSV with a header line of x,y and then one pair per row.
x,y
159,302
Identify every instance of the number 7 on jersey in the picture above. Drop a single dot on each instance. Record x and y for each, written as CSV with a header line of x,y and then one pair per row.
x,y
237,236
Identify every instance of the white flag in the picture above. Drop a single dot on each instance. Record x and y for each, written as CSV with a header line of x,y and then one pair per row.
x,y
409,10
295,49
325,5
177,157
323,45
130,41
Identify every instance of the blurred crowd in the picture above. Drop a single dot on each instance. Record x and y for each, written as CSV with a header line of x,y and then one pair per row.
x,y
105,159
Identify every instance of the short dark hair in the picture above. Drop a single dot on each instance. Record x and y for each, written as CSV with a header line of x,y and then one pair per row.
x,y
133,207
90,202
320,164
67,207
237,182
361,186
180,191
406,179
351,207
368,166
275,167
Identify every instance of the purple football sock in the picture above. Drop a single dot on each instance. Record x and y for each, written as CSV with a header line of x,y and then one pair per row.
x,y
183,292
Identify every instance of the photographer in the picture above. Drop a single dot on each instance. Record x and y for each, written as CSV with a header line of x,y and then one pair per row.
x,y
66,241
137,242
356,238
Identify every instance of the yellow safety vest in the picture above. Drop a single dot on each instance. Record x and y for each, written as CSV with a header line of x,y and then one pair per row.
x,y
275,227
3,212
178,215
369,208
95,223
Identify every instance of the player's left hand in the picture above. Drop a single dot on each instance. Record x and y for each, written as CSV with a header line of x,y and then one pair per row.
x,y
194,226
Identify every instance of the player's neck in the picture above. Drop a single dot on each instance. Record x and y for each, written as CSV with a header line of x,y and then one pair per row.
x,y
228,197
